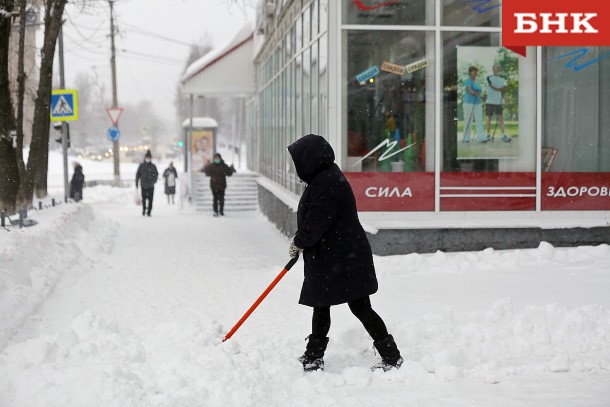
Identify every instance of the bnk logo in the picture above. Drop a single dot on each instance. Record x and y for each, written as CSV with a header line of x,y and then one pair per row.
x,y
555,22
528,23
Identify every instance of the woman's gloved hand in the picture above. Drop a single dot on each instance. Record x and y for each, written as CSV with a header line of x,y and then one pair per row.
x,y
293,250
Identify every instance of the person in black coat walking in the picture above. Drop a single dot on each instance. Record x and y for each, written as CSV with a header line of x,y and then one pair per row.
x,y
77,182
147,174
218,172
170,174
338,258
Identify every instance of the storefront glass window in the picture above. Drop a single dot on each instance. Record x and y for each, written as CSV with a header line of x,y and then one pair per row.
x,y
307,91
292,120
323,85
416,12
489,125
314,88
576,125
293,40
315,25
299,94
471,13
387,107
323,15
299,33
288,46
306,26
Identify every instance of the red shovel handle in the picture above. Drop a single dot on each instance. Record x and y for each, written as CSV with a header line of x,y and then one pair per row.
x,y
261,298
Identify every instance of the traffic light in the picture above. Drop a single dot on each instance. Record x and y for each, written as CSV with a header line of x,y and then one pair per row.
x,y
180,143
58,127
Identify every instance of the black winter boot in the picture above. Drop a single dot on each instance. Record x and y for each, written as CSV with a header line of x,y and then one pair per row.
x,y
312,358
390,355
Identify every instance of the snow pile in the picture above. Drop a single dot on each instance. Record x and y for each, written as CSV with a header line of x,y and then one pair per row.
x,y
544,258
497,343
135,319
34,259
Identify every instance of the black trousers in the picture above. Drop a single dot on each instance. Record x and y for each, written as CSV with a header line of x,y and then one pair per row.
x,y
147,195
374,325
219,200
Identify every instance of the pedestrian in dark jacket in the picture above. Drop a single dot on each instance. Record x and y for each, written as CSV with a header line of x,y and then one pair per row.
x,y
170,174
338,258
77,182
147,174
218,172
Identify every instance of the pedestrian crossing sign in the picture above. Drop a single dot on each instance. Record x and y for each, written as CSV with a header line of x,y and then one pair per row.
x,y
64,105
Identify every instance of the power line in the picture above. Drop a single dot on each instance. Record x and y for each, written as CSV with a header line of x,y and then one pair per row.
x,y
152,56
139,31
150,60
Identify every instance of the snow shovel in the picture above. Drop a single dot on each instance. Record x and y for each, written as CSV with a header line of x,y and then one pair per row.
x,y
261,298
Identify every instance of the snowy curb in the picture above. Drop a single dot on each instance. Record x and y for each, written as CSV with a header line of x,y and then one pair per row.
x,y
34,260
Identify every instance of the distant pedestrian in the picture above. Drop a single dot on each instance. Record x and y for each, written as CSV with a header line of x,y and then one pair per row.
x,y
148,174
77,182
218,171
170,174
338,259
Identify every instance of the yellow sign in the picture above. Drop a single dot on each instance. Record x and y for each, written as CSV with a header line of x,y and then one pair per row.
x,y
415,66
393,68
64,105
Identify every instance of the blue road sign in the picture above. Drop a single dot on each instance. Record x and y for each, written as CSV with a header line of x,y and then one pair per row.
x,y
113,133
64,105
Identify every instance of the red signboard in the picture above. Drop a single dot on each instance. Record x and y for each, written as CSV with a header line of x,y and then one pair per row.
x,y
566,191
488,191
555,22
393,191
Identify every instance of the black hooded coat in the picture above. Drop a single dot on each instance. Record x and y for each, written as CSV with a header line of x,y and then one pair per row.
x,y
338,258
77,182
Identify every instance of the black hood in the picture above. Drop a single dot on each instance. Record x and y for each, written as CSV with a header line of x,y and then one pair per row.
x,y
311,154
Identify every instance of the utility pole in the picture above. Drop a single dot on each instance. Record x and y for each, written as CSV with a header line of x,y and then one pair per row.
x,y
115,146
65,129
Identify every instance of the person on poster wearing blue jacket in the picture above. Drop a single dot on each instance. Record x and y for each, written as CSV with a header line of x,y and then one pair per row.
x,y
473,109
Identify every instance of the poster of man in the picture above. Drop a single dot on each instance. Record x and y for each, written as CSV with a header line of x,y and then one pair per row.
x,y
488,103
202,149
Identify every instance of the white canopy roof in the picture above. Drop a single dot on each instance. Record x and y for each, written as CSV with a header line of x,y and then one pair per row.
x,y
201,122
224,71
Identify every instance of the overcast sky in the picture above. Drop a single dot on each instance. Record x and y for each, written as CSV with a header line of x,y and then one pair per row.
x,y
148,67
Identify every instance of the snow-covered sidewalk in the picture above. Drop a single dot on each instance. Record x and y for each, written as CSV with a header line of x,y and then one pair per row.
x,y
125,310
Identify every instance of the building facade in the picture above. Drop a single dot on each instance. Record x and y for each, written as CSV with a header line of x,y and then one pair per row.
x,y
449,140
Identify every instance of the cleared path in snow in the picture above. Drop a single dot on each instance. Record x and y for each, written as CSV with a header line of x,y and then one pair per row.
x,y
139,324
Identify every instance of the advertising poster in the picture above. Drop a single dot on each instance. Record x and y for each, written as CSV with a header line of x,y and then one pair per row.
x,y
202,149
488,103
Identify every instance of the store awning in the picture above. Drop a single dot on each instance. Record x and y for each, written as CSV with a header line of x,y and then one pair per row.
x,y
224,71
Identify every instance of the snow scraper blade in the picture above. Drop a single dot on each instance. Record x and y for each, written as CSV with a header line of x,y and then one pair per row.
x,y
261,298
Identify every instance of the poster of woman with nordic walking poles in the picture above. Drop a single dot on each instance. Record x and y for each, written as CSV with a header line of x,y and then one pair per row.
x,y
488,103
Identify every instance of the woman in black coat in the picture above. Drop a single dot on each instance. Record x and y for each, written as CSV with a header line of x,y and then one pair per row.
x,y
338,259
77,182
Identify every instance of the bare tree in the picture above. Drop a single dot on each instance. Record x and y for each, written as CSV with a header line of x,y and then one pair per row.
x,y
35,179
9,172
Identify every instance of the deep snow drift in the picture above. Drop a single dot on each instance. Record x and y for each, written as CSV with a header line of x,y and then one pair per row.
x,y
104,307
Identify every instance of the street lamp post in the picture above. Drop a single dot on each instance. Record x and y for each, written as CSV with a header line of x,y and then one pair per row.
x,y
115,145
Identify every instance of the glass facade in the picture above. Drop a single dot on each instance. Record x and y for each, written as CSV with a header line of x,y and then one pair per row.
x,y
430,112
292,81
